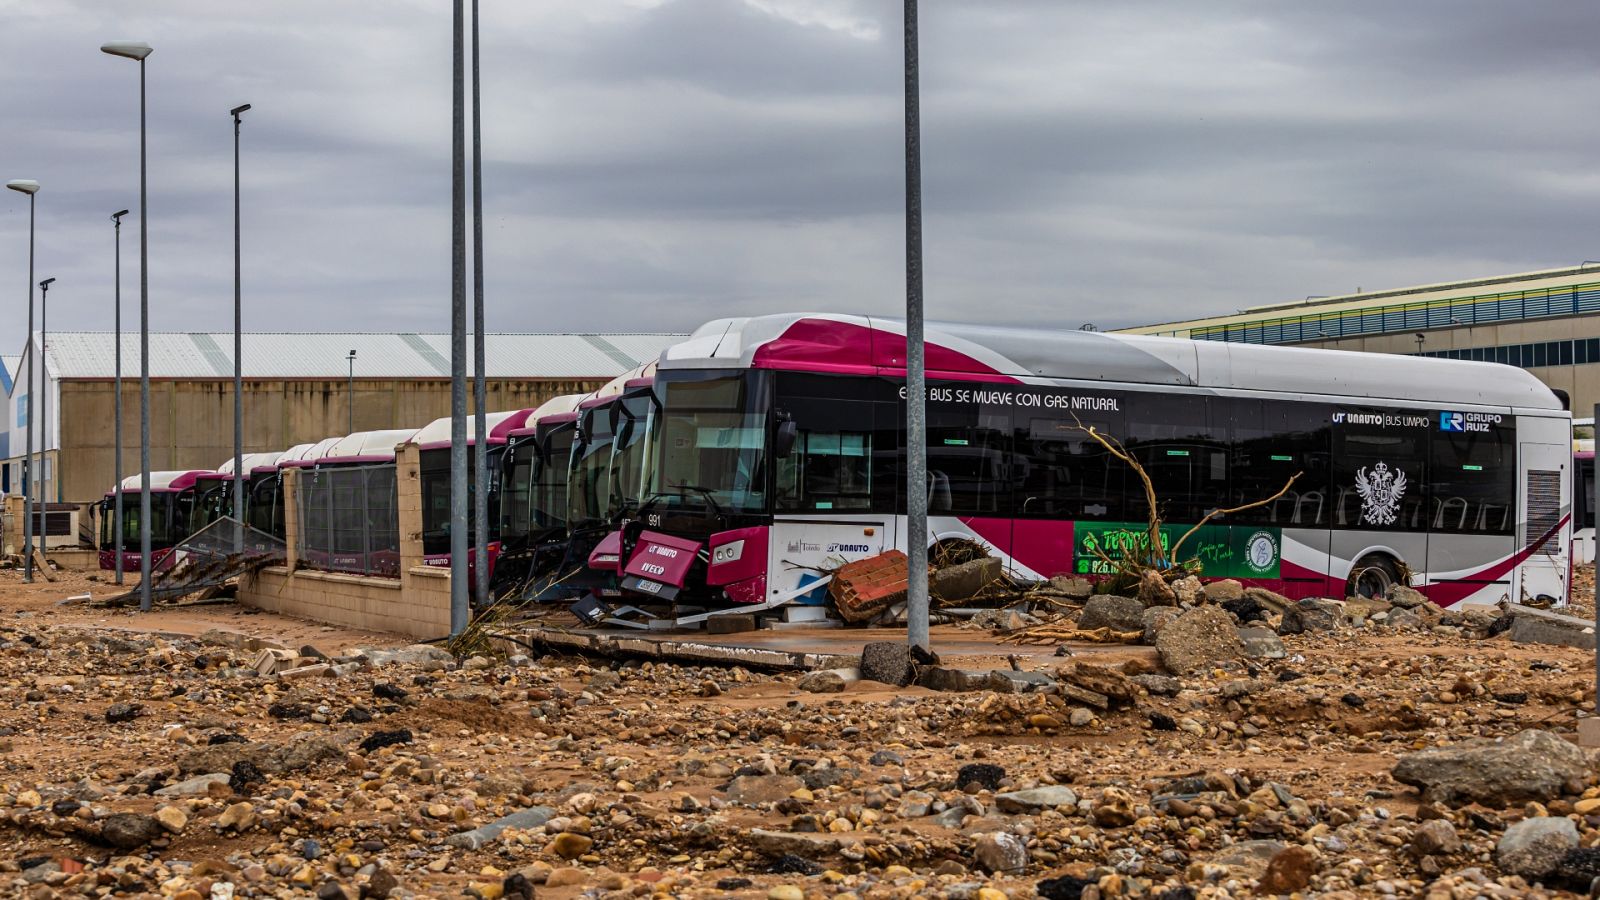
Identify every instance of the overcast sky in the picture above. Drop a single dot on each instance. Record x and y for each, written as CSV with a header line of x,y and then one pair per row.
x,y
650,164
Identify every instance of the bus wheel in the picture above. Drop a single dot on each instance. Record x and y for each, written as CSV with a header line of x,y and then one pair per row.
x,y
1372,576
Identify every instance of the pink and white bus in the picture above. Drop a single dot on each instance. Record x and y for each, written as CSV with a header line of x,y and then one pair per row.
x,y
172,518
777,455
534,469
433,446
350,512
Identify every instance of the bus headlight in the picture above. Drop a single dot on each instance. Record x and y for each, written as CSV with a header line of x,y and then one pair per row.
x,y
727,553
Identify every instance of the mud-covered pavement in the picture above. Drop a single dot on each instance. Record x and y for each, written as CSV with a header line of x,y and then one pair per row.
x,y
164,765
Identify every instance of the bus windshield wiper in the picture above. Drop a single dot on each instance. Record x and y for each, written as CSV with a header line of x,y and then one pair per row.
x,y
703,492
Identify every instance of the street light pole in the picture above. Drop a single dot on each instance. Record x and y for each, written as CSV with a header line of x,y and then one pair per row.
x,y
238,352
480,493
138,51
458,338
116,459
350,396
44,395
916,381
30,188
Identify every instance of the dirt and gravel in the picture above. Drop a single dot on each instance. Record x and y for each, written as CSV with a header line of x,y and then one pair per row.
x,y
1375,753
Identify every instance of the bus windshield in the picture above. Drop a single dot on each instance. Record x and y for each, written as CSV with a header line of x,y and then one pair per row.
x,y
628,454
591,468
550,476
710,444
515,502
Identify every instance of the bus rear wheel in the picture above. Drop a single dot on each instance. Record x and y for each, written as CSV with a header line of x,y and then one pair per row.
x,y
1372,576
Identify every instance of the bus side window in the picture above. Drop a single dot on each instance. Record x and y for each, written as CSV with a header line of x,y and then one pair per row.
x,y
969,460
831,465
1380,477
1472,482
1062,472
1185,455
1272,441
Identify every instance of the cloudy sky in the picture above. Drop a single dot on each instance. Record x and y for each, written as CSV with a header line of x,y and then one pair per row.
x,y
650,164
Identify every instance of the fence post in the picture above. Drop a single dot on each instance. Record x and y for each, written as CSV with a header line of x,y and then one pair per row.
x,y
291,518
408,506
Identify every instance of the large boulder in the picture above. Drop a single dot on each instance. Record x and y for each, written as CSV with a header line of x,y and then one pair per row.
x,y
129,831
1534,847
1531,765
1156,618
1270,600
1311,614
1405,597
1188,590
1072,586
1226,589
964,581
888,662
1111,611
1198,639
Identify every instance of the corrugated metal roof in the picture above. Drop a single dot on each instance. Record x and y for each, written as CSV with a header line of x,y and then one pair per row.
x,y
91,354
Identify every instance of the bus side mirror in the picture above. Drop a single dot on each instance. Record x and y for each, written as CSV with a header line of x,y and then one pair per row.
x,y
783,442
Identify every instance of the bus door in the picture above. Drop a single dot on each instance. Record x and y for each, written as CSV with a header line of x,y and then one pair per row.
x,y
1541,532
834,491
1472,485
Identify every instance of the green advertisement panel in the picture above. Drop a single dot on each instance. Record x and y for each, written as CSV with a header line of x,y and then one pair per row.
x,y
1225,551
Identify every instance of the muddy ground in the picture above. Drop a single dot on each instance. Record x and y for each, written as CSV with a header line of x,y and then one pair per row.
x,y
344,779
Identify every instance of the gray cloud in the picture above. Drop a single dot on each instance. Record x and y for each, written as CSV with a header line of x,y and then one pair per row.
x,y
653,163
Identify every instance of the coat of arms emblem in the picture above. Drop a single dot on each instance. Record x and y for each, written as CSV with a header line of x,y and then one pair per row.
x,y
1381,491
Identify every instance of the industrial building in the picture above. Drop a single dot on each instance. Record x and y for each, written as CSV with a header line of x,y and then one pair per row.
x,y
297,388
1547,322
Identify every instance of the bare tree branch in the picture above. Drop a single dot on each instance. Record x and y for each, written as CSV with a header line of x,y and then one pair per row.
x,y
1226,512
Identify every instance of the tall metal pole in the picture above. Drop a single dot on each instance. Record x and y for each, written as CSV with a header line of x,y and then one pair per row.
x,y
27,463
144,366
458,338
116,459
44,394
350,396
480,475
238,351
916,382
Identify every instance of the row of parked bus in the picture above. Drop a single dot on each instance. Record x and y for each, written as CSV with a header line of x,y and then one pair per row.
x,y
758,455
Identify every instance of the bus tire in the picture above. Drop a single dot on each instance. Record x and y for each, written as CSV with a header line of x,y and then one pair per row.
x,y
1372,576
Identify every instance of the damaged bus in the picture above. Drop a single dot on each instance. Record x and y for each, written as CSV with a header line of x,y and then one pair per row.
x,y
173,497
777,456
533,508
433,448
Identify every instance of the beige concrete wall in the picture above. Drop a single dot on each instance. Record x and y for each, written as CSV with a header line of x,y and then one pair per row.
x,y
415,604
191,422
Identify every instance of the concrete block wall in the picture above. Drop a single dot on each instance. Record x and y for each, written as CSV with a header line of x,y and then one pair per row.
x,y
415,604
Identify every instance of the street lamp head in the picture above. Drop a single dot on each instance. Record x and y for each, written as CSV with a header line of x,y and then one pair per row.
x,y
25,185
352,355
238,109
45,284
117,216
127,49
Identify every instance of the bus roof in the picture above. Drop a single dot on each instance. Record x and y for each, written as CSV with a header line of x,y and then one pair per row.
x,y
830,343
637,376
364,447
163,482
251,461
436,434
309,456
564,406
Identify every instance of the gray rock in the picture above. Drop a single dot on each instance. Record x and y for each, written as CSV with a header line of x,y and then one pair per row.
x,y
1261,643
1532,848
754,790
1002,619
1531,765
1010,681
1248,859
999,852
1072,587
196,786
414,655
1542,626
1435,836
1188,590
961,582
1223,590
1158,685
117,713
1198,639
1269,599
939,678
1111,611
1403,619
1156,618
887,758
1404,597
129,831
827,681
1034,799
532,817
1311,614
888,662
806,845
